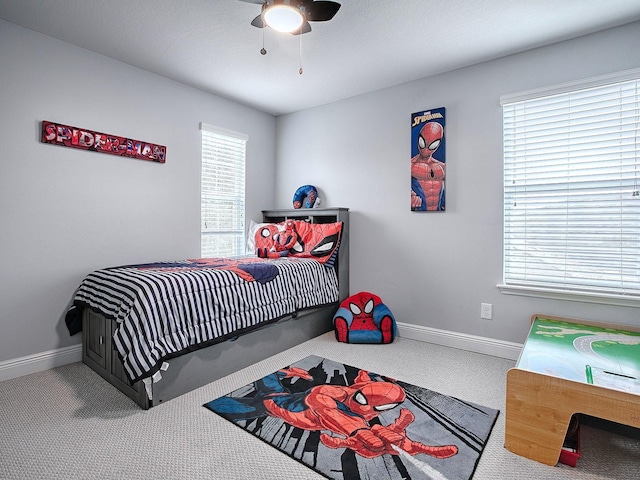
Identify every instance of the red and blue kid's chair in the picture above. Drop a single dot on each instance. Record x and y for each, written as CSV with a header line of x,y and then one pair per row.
x,y
364,318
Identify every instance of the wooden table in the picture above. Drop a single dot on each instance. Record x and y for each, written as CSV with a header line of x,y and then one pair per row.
x,y
570,366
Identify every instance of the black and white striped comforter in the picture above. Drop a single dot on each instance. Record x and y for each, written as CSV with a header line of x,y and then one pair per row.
x,y
168,308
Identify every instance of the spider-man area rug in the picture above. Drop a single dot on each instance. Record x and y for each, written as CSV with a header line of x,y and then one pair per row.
x,y
350,424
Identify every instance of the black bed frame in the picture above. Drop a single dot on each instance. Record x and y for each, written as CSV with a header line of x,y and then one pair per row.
x,y
197,368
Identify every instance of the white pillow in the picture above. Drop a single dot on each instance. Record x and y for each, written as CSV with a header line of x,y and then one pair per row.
x,y
251,236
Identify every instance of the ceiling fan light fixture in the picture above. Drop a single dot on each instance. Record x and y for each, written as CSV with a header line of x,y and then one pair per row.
x,y
283,18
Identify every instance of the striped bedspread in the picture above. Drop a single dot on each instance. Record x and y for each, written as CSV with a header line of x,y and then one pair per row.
x,y
165,309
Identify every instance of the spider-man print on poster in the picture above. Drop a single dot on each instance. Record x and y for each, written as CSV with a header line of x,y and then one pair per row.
x,y
428,160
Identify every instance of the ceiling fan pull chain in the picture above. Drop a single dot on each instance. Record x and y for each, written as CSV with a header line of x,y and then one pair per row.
x,y
262,50
300,71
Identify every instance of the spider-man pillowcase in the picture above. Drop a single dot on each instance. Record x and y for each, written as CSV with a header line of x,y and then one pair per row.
x,y
317,240
314,240
255,229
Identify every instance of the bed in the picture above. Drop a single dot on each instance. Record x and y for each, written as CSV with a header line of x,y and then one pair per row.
x,y
158,330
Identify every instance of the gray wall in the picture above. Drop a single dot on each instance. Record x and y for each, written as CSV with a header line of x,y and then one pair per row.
x,y
435,269
65,212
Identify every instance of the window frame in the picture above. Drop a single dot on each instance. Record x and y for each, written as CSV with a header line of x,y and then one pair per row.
x,y
231,145
581,295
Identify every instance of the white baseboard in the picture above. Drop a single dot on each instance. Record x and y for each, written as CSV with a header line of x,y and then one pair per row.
x,y
38,362
472,343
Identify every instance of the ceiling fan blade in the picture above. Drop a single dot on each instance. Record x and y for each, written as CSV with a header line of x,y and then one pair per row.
x,y
259,2
257,22
321,11
306,28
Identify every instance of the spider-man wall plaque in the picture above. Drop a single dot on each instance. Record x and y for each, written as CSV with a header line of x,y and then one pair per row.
x,y
428,162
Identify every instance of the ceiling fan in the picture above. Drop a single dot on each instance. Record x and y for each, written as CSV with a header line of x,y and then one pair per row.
x,y
293,16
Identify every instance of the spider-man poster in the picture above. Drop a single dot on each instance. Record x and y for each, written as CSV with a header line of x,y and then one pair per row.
x,y
428,161
350,424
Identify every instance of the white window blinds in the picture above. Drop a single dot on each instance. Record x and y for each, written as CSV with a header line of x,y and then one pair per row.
x,y
222,192
571,203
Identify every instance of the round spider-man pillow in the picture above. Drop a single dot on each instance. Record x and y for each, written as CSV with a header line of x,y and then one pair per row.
x,y
364,318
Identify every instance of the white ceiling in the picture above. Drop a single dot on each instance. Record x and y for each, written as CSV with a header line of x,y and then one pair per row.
x,y
369,44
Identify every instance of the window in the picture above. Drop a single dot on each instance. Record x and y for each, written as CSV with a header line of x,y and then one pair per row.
x,y
571,196
222,192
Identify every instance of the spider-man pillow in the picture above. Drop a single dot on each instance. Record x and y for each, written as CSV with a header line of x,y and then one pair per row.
x,y
313,240
317,240
363,318
259,231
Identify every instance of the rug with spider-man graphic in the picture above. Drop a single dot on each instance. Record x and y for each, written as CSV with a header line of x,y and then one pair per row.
x,y
351,424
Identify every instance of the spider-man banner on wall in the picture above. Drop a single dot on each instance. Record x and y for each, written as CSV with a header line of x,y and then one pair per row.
x,y
428,160
84,139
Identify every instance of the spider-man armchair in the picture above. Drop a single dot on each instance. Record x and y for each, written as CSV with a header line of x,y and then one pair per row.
x,y
363,318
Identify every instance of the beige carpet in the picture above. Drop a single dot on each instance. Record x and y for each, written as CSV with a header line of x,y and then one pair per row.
x,y
67,423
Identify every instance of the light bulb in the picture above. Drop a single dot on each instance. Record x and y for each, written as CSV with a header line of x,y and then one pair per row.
x,y
283,18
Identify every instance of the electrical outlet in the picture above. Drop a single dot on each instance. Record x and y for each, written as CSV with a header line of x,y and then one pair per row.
x,y
486,311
